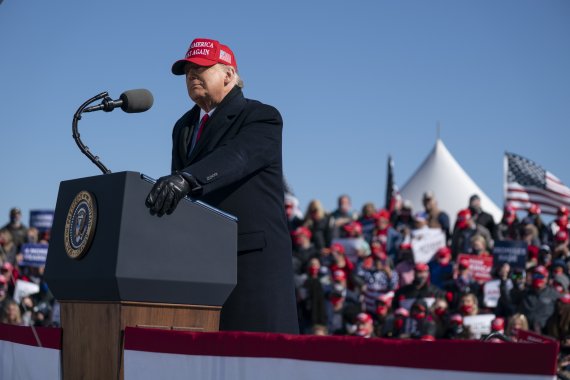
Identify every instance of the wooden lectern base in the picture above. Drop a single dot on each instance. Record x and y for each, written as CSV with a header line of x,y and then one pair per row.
x,y
93,332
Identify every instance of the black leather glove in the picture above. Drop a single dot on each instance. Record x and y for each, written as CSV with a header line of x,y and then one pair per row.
x,y
166,193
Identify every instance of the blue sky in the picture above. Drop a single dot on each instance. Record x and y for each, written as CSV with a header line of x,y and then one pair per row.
x,y
355,81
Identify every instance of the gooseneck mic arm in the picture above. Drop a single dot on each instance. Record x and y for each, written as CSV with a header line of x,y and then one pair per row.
x,y
76,135
132,101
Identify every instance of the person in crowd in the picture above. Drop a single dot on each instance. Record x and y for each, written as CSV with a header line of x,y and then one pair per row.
x,y
516,322
377,280
461,284
561,250
558,325
11,313
340,262
8,271
8,249
419,324
435,217
386,235
529,234
293,213
479,246
381,314
456,329
558,266
441,267
440,315
406,264
367,220
481,217
355,246
394,324
560,223
468,305
511,288
312,298
539,300
364,326
343,305
402,220
303,249
318,221
419,288
560,283
3,288
465,229
545,256
17,228
342,215
509,227
534,217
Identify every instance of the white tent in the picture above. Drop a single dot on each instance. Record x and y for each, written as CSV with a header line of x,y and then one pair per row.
x,y
451,185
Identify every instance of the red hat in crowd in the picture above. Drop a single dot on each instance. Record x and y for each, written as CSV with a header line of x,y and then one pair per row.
x,y
463,218
561,236
7,267
421,267
402,312
339,275
363,318
337,247
509,209
498,324
562,211
405,246
541,270
456,319
444,252
464,263
383,214
353,227
205,52
533,251
534,209
303,231
386,298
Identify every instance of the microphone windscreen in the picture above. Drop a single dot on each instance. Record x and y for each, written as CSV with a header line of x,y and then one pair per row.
x,y
134,101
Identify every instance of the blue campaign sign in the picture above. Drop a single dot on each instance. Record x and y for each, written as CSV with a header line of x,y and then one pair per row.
x,y
512,252
41,219
34,255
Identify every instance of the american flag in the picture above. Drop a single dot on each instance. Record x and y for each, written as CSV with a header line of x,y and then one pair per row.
x,y
527,182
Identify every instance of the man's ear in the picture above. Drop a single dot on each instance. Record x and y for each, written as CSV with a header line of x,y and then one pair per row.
x,y
230,75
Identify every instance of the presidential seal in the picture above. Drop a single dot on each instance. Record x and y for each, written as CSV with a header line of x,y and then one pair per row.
x,y
80,225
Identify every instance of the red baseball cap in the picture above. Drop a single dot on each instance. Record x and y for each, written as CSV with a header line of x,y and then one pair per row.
x,y
363,318
339,275
205,52
561,236
302,231
498,324
338,248
7,267
444,252
421,267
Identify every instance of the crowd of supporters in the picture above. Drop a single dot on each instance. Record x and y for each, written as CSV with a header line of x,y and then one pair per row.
x,y
357,273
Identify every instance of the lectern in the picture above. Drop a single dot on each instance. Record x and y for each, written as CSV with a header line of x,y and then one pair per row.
x,y
112,264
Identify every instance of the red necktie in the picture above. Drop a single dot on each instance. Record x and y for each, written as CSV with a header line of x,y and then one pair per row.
x,y
201,128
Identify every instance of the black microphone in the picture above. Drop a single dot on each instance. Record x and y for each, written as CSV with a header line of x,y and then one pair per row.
x,y
131,101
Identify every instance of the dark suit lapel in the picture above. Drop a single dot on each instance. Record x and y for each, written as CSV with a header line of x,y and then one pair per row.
x,y
220,121
185,133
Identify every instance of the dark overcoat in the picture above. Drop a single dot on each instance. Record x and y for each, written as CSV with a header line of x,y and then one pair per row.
x,y
238,162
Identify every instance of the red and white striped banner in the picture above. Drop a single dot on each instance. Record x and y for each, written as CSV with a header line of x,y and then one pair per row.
x,y
26,354
152,354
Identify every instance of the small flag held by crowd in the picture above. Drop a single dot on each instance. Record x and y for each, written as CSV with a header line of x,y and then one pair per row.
x,y
526,182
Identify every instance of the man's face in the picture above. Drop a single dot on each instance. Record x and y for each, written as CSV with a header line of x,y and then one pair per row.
x,y
344,204
429,204
206,85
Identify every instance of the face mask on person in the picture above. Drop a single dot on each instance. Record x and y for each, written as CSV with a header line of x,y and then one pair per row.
x,y
538,281
439,311
399,323
466,309
313,271
381,310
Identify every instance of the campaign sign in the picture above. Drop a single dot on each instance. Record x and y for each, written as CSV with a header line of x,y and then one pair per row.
x,y
426,242
512,252
24,289
479,266
34,255
41,219
531,337
491,293
479,324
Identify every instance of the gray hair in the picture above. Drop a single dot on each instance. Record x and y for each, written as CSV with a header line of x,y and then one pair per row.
x,y
239,81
